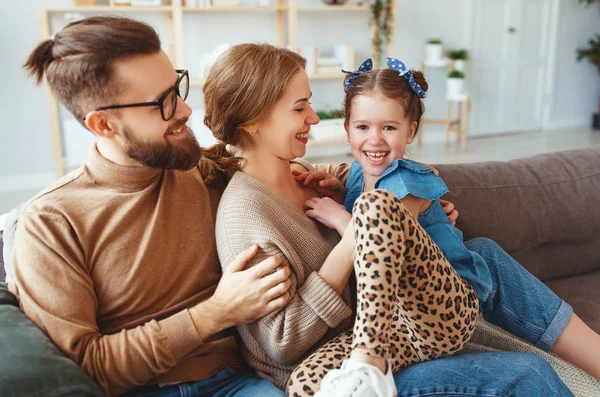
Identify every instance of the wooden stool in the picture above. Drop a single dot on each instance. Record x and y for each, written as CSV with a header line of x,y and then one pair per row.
x,y
458,126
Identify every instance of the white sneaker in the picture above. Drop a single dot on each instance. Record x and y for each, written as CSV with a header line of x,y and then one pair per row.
x,y
357,379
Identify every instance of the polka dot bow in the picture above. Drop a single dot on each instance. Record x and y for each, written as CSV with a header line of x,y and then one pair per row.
x,y
399,66
365,67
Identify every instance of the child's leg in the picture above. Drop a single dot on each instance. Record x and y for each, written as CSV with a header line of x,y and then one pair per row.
x,y
306,378
524,306
412,305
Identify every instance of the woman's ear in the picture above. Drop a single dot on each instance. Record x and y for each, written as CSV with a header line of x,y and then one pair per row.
x,y
413,132
100,125
251,129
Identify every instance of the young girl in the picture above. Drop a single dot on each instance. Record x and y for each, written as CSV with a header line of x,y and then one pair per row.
x,y
382,113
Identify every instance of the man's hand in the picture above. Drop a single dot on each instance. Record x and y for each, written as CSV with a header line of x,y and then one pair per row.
x,y
324,183
450,211
329,213
243,296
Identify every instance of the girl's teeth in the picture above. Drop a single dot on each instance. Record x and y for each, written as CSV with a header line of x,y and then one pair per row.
x,y
378,154
302,136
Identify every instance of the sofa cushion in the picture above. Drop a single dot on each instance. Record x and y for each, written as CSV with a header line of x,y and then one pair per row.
x,y
582,293
2,274
31,365
544,210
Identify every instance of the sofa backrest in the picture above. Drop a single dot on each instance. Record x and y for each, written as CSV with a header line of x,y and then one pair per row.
x,y
544,210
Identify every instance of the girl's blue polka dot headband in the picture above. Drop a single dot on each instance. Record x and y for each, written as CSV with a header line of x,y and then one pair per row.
x,y
393,64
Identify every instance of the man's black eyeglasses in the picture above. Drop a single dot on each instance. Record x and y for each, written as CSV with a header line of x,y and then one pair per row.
x,y
168,101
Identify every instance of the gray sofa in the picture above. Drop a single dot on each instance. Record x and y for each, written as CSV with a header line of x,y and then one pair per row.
x,y
544,210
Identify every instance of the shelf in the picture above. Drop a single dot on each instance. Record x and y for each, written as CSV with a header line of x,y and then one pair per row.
x,y
322,76
235,9
328,141
111,9
334,8
325,76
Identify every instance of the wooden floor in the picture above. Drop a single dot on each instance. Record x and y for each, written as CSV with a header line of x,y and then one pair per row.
x,y
497,148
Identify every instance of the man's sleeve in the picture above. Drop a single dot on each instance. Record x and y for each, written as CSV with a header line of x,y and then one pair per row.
x,y
56,291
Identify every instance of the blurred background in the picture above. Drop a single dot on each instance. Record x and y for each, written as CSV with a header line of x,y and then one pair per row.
x,y
504,76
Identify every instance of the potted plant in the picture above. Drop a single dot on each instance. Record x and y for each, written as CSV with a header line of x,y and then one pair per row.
x,y
381,21
459,57
433,50
592,54
455,83
331,125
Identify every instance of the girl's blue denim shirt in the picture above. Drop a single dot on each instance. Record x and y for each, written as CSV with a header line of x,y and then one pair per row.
x,y
405,177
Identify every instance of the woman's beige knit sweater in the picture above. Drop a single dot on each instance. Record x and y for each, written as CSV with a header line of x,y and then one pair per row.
x,y
249,213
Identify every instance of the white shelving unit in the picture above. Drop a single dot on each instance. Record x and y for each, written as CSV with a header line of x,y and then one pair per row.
x,y
287,15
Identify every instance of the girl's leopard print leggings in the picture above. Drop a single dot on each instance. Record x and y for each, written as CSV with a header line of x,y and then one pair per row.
x,y
412,306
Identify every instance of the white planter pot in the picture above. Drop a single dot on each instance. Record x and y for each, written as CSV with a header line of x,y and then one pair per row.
x,y
433,52
454,87
459,64
326,130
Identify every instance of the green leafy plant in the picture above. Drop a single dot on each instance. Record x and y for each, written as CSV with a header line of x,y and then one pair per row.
x,y
455,74
587,2
331,114
461,54
381,19
434,41
591,53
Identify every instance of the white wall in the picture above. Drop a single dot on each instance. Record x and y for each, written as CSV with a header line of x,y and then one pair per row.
x,y
25,146
576,84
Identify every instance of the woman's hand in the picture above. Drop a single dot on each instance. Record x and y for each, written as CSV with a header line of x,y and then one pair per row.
x,y
450,211
322,182
329,213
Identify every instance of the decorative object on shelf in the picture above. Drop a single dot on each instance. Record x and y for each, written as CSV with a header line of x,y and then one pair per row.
x,y
459,57
330,128
454,84
330,114
382,22
84,3
146,2
592,54
341,58
209,58
433,51
123,2
334,2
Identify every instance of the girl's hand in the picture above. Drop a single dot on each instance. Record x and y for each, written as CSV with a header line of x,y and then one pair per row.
x,y
322,182
329,213
450,211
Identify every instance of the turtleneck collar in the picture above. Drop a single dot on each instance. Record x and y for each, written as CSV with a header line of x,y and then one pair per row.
x,y
107,173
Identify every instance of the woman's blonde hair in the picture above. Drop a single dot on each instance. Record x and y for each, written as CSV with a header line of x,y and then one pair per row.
x,y
240,90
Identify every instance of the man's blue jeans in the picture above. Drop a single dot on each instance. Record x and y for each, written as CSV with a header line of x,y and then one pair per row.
x,y
490,374
519,303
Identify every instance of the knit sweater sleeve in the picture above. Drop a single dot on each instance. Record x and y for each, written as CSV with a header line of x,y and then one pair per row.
x,y
56,291
313,308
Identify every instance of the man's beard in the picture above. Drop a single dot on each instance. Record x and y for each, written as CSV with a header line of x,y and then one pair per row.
x,y
181,154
